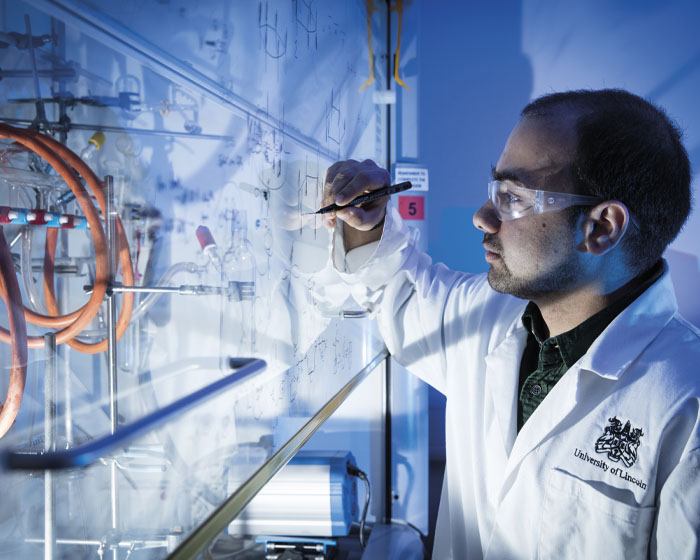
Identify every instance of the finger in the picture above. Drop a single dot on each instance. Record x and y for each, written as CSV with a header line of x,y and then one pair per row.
x,y
313,221
362,183
329,220
338,174
363,218
332,171
330,190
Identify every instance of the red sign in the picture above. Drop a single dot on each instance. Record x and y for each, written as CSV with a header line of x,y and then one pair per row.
x,y
412,207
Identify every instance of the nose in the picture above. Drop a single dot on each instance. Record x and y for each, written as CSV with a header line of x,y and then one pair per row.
x,y
486,220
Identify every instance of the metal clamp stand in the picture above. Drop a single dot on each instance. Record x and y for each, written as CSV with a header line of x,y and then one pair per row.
x,y
112,249
49,444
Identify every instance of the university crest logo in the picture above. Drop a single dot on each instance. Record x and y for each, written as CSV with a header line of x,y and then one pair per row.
x,y
620,443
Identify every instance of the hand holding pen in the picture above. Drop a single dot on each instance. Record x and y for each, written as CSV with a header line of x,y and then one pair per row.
x,y
345,182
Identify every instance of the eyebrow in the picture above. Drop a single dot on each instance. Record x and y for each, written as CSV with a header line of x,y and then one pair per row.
x,y
506,175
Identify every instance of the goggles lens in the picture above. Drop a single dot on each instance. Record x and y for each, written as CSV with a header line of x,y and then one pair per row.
x,y
512,201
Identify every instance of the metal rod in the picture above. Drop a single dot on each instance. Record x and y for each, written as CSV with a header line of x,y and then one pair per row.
x,y
111,228
110,234
158,289
57,74
93,450
152,543
85,542
34,72
388,83
245,290
58,52
16,238
147,289
112,247
388,490
111,307
40,109
73,503
235,503
388,463
64,351
126,129
49,444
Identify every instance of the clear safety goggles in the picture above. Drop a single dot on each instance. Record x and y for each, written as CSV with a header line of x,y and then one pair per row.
x,y
512,202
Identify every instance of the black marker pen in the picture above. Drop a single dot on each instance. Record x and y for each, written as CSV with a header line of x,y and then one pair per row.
x,y
374,195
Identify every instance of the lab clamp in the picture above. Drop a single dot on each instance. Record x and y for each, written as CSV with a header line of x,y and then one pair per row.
x,y
234,290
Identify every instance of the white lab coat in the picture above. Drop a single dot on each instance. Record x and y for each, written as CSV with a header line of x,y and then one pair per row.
x,y
545,492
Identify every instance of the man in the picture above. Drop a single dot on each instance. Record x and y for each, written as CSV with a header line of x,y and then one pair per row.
x,y
573,394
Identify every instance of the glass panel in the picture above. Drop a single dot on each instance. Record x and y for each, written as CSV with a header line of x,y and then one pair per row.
x,y
217,121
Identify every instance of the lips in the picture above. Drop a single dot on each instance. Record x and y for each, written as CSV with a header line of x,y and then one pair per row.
x,y
490,249
493,250
492,244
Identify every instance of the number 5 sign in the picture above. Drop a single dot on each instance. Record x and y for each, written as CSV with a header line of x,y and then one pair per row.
x,y
412,207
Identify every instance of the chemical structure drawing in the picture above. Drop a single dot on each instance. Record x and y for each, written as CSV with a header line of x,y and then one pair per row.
x,y
226,156
273,42
309,178
307,20
268,143
333,28
184,195
305,371
309,189
342,354
177,225
335,123
215,40
258,406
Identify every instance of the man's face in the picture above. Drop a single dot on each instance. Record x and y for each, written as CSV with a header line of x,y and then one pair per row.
x,y
534,257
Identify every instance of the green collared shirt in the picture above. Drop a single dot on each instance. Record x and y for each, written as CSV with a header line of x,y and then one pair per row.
x,y
545,360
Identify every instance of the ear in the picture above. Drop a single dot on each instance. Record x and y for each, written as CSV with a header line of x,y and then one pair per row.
x,y
605,226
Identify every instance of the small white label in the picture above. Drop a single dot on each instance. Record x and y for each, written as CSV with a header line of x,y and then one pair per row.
x,y
417,175
384,97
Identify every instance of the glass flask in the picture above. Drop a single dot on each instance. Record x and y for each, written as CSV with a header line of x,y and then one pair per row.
x,y
238,273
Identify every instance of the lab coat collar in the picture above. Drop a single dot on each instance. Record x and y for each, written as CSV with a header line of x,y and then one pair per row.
x,y
632,330
502,380
609,356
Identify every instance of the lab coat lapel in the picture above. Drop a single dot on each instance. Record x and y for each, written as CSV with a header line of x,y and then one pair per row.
x,y
502,370
546,418
608,357
613,352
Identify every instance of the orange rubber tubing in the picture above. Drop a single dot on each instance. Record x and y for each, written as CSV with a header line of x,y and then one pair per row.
x,y
123,248
64,161
18,328
58,156
28,140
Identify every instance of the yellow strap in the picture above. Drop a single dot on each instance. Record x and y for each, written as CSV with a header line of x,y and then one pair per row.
x,y
398,7
370,54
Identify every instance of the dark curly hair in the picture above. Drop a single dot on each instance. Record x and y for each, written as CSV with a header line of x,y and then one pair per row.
x,y
629,150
